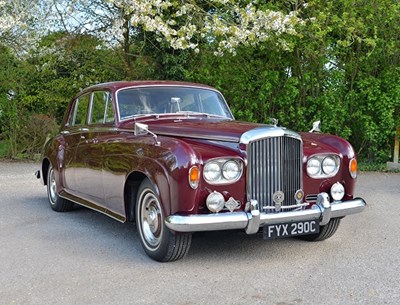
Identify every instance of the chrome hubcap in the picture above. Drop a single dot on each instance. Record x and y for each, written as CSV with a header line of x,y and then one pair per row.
x,y
151,219
52,187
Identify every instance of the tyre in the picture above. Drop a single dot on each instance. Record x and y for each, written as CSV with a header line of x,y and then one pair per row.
x,y
157,240
57,203
325,232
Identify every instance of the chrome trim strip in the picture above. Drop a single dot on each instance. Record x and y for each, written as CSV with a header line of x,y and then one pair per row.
x,y
286,207
91,206
252,221
208,222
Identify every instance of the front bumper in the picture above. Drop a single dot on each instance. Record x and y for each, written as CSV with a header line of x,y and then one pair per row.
x,y
251,221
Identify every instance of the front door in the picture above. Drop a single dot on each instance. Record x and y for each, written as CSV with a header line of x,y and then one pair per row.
x,y
90,151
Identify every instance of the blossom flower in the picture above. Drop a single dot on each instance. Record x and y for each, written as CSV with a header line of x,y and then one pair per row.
x,y
184,24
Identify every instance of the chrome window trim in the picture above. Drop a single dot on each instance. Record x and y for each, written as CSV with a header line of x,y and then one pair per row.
x,y
75,110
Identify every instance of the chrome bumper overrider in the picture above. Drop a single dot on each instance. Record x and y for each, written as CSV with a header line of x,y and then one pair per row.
x,y
251,221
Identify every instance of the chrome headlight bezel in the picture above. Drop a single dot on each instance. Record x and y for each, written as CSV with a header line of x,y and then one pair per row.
x,y
323,166
222,170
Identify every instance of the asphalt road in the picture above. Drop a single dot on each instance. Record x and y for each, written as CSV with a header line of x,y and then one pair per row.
x,y
83,257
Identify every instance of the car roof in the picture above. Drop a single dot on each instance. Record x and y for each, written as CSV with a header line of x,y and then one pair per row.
x,y
117,85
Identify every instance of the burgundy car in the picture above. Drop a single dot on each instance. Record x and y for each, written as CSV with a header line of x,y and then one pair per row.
x,y
170,157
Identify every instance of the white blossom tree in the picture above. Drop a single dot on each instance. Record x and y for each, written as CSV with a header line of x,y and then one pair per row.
x,y
13,21
24,22
182,24
228,23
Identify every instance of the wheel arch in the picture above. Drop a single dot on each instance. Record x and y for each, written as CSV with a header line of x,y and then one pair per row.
x,y
45,168
131,188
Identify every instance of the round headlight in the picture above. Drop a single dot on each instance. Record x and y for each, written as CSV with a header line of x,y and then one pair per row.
x,y
231,170
329,165
212,171
313,166
337,191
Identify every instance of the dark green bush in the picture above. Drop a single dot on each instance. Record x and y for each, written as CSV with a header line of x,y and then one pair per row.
x,y
343,69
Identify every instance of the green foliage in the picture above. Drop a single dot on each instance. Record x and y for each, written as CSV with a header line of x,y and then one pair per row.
x,y
44,82
343,69
9,80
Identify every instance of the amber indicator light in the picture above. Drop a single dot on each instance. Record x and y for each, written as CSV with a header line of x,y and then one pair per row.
x,y
353,168
194,174
353,165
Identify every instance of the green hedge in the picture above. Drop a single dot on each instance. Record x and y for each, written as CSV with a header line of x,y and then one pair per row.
x,y
342,68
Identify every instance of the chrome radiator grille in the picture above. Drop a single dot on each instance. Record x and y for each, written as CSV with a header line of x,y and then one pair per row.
x,y
274,164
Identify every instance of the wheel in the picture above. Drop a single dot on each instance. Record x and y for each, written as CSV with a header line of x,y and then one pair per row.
x,y
157,240
325,232
57,203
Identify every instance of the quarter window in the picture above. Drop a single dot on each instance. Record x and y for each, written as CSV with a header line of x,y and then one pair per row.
x,y
80,110
110,114
101,109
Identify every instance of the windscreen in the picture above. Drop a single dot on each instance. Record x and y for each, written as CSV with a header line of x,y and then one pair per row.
x,y
169,100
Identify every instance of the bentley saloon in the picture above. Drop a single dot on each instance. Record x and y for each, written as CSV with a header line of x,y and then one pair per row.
x,y
170,157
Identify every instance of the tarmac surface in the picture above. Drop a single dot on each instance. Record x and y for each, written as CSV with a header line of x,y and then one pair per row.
x,y
84,257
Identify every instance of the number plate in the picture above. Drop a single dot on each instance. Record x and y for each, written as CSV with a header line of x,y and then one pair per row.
x,y
291,229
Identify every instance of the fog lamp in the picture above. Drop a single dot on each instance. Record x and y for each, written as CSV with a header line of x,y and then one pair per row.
x,y
215,202
337,191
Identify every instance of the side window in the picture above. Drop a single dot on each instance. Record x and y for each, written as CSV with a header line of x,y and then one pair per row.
x,y
110,115
102,109
78,116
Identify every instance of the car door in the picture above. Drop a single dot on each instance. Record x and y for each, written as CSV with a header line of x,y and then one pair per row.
x,y
73,134
91,149
115,166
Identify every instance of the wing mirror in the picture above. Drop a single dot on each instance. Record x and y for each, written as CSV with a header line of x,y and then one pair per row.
x,y
143,129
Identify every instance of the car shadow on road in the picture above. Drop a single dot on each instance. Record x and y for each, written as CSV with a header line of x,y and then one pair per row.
x,y
82,230
236,244
86,231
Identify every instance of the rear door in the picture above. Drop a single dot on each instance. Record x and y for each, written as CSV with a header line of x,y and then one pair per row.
x,y
76,129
